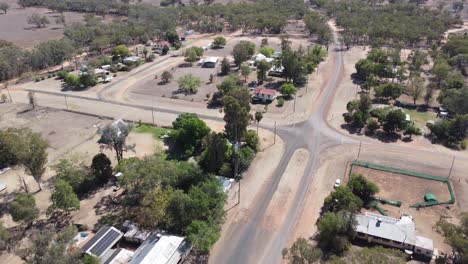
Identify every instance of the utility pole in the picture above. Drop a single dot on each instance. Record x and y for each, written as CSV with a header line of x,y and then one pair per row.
x,y
66,102
359,152
152,114
274,138
294,103
451,167
8,90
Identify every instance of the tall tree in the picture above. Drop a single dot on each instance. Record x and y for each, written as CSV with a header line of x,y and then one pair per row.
x,y
416,87
214,154
245,71
237,113
32,154
262,69
114,136
189,83
243,51
23,209
362,188
335,231
190,130
64,198
101,168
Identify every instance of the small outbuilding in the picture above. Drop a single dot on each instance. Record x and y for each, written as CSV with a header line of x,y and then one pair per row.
x,y
264,94
99,244
209,62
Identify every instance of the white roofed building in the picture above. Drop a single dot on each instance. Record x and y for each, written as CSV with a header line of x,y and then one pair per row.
x,y
393,232
161,249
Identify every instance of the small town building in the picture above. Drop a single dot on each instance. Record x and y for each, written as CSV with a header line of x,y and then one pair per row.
x,y
210,62
393,232
133,232
161,44
276,71
260,57
117,256
264,94
161,249
100,73
99,244
131,60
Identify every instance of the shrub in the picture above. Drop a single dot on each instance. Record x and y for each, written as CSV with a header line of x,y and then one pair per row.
x,y
62,74
280,102
463,144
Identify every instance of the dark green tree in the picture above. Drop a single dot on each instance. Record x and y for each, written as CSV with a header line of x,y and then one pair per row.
x,y
189,131
23,209
362,188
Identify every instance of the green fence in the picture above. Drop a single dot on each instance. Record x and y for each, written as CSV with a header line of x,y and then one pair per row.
x,y
412,174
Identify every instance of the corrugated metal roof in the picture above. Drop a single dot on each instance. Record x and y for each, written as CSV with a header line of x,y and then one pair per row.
x,y
104,239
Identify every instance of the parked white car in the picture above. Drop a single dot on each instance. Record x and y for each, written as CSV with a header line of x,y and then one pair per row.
x,y
337,183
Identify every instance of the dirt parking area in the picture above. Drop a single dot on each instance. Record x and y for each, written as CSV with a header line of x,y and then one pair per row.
x,y
155,88
410,190
14,25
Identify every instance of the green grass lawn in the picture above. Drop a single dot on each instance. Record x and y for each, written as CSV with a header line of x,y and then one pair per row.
x,y
157,132
420,118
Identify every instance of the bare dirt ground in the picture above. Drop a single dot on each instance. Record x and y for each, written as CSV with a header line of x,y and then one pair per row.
x,y
154,88
14,25
410,190
70,136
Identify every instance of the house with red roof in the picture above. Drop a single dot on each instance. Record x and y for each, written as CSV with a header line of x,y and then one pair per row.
x,y
264,94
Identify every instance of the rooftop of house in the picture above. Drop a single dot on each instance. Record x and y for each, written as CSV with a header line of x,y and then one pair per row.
x,y
399,230
263,90
210,60
102,241
160,249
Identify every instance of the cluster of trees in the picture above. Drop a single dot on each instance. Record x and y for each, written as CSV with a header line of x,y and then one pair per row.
x,y
84,179
86,79
360,114
298,64
337,225
302,252
451,132
14,61
193,54
376,24
266,16
316,25
175,196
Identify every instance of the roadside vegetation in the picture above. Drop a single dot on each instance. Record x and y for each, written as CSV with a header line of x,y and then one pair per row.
x,y
383,78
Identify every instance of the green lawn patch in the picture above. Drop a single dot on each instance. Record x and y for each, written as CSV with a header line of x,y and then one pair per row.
x,y
420,118
157,132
